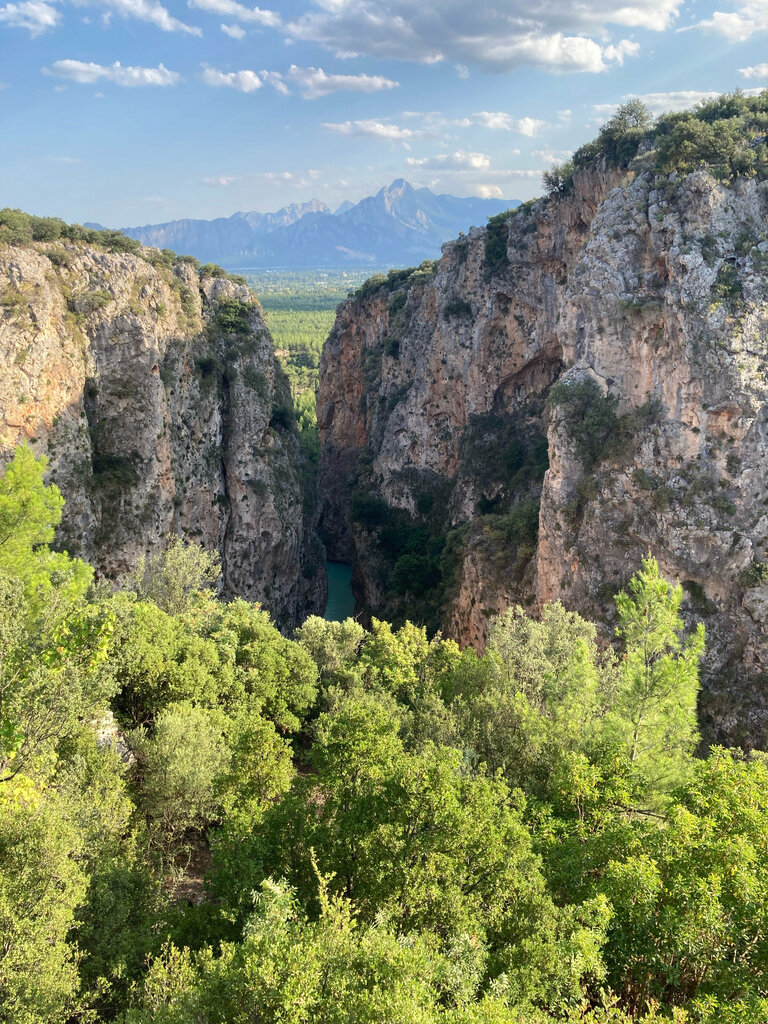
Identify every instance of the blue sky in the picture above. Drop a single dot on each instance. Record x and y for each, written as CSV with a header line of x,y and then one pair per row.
x,y
130,112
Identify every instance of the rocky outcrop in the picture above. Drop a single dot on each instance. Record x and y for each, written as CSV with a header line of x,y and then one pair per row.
x,y
156,397
645,298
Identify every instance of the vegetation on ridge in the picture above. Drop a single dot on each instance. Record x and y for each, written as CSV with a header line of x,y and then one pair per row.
x,y
727,135
358,826
19,228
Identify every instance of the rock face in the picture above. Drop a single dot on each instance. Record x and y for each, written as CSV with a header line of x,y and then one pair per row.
x,y
157,399
645,299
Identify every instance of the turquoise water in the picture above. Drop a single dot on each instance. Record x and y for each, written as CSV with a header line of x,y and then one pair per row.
x,y
341,602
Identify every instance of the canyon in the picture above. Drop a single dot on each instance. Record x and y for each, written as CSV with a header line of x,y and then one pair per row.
x,y
156,397
579,384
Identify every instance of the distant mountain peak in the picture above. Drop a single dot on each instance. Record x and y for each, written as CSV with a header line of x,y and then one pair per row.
x,y
399,185
398,226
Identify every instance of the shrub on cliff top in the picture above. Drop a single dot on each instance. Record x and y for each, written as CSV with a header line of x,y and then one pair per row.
x,y
727,135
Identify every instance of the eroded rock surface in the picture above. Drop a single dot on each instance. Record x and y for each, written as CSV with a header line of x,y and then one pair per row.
x,y
656,290
160,414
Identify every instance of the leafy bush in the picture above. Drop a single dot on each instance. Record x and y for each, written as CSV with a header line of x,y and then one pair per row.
x,y
496,234
89,302
211,270
232,317
588,415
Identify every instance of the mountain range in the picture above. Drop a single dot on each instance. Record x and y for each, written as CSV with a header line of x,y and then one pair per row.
x,y
400,224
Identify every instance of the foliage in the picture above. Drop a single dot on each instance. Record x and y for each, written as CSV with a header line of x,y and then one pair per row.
x,y
588,415
726,135
558,180
392,829
172,578
496,233
176,770
41,885
232,316
659,678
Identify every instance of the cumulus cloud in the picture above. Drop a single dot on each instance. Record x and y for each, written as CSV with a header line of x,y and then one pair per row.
x,y
489,191
243,81
33,15
500,121
374,130
461,70
86,73
276,80
144,10
233,31
232,9
660,102
740,25
314,82
564,116
754,71
311,83
496,35
550,156
459,160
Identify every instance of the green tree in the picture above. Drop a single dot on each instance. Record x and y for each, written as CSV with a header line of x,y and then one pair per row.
x,y
30,511
178,766
690,898
659,677
41,886
174,578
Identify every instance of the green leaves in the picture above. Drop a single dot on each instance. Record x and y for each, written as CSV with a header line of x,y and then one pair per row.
x,y
660,677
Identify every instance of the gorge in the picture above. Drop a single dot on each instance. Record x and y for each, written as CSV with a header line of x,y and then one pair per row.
x,y
578,384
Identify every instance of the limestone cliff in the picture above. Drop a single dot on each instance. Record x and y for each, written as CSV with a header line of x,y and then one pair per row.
x,y
645,297
156,396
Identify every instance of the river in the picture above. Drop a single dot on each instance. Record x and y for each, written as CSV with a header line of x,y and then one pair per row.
x,y
341,601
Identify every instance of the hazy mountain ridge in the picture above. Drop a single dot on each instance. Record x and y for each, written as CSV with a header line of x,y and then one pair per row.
x,y
399,224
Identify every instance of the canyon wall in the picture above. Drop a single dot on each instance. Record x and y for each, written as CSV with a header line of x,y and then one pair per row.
x,y
622,328
156,397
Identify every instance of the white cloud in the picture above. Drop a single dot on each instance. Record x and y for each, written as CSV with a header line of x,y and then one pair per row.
x,y
314,82
87,73
457,161
233,31
374,130
738,26
222,179
144,10
35,16
500,121
243,81
550,156
232,9
659,102
564,116
462,70
297,179
489,191
754,71
275,79
495,36
66,160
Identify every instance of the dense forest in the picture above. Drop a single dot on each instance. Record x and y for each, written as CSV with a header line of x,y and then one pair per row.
x,y
202,820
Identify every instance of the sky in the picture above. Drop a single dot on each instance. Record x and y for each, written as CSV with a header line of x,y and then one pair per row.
x,y
130,112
